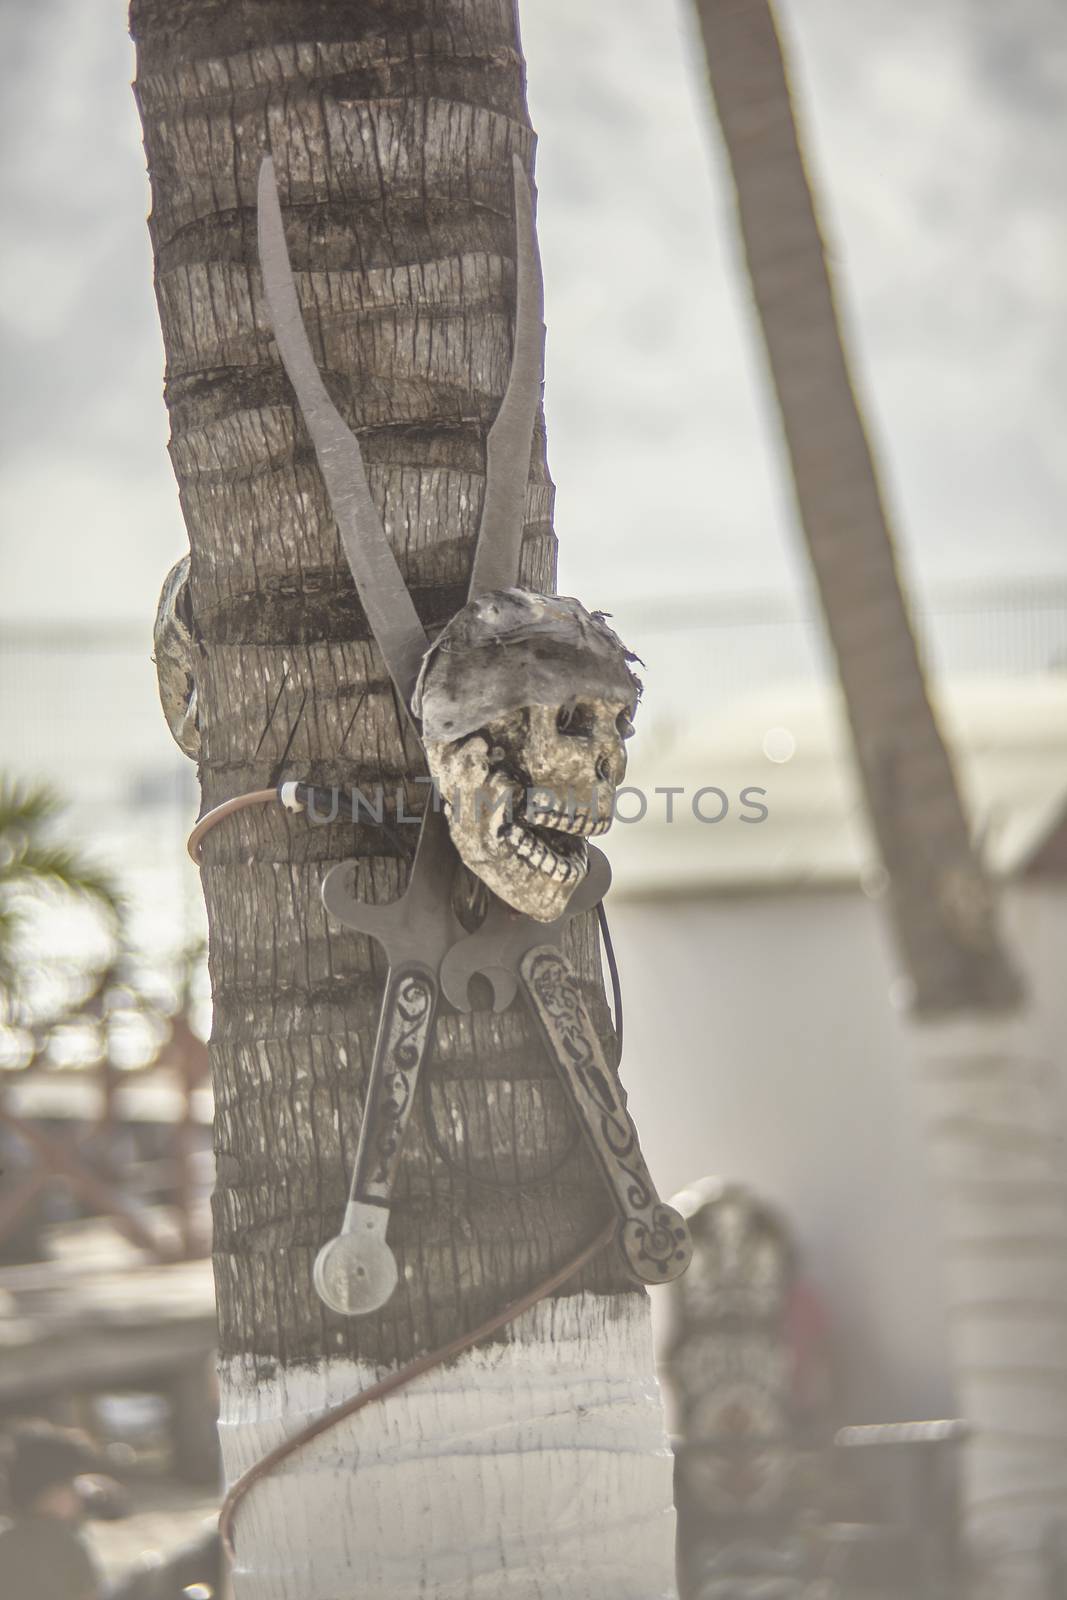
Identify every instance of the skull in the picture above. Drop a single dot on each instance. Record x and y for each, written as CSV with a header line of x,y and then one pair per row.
x,y
526,701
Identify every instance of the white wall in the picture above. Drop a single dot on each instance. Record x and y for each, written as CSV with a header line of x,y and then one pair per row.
x,y
761,1045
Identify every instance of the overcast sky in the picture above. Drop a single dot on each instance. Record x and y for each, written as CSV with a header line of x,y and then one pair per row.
x,y
937,130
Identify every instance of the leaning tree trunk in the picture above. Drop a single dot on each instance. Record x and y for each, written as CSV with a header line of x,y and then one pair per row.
x,y
993,1096
535,1465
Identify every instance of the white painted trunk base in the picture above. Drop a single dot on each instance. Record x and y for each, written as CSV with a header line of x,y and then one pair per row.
x,y
536,1469
996,1131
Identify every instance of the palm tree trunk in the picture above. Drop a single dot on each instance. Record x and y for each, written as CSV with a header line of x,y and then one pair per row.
x,y
994,1109
535,1465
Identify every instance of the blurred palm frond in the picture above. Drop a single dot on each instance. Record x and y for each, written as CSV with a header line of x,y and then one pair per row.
x,y
33,862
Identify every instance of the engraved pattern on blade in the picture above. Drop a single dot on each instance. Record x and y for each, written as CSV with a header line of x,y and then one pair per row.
x,y
407,1014
655,1238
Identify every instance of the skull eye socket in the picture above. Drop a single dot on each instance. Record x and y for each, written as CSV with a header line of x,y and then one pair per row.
x,y
576,721
624,725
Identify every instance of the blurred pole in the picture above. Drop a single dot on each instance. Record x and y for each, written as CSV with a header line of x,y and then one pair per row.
x,y
190,1060
994,1112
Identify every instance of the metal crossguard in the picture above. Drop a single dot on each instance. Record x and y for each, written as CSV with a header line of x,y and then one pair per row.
x,y
356,1272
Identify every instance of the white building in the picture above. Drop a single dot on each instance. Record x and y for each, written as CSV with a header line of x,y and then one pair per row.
x,y
762,998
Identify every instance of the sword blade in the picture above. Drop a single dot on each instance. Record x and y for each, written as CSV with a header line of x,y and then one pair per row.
x,y
379,581
507,450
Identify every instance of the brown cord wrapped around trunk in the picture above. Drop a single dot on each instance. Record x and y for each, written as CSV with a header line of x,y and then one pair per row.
x,y
403,1376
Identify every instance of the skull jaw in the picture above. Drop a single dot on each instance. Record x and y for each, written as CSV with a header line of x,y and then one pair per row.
x,y
533,869
524,888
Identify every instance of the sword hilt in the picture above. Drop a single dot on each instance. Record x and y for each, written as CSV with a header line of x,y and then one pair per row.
x,y
356,1272
654,1237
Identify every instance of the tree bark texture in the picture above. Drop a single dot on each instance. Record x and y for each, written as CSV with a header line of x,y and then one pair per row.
x,y
391,124
993,1102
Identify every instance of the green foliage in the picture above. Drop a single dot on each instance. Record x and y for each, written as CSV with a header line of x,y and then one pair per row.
x,y
34,863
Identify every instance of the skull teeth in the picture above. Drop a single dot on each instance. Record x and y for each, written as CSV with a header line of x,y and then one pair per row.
x,y
581,823
539,855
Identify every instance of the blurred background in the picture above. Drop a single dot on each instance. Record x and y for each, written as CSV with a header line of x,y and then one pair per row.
x,y
935,132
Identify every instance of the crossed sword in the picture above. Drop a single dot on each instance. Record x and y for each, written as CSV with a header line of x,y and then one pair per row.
x,y
428,950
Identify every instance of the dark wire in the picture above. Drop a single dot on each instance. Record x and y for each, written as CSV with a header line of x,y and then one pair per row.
x,y
613,968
